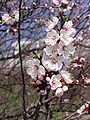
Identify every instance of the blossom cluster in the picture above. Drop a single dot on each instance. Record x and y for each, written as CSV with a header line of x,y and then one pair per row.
x,y
50,69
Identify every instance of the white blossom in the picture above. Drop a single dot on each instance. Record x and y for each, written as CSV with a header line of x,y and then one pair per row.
x,y
66,51
35,69
66,76
68,24
59,92
83,108
51,50
67,34
52,37
53,63
51,23
55,82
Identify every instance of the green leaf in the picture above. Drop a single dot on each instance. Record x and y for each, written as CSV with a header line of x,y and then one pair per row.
x,y
34,56
59,10
64,18
41,53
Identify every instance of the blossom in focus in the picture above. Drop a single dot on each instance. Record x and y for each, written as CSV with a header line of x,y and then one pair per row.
x,y
53,63
35,69
67,34
52,37
65,51
68,24
66,76
51,50
59,92
51,23
55,82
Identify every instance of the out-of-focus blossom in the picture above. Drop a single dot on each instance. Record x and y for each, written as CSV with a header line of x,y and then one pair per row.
x,y
87,81
64,1
66,9
55,2
16,15
7,19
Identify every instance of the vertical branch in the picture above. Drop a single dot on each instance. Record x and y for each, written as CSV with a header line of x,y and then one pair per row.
x,y
22,72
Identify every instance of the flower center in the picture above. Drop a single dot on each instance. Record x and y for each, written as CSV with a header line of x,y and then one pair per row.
x,y
54,61
53,50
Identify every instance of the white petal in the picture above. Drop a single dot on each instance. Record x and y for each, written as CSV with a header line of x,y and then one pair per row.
x,y
36,62
29,71
59,92
65,88
29,63
68,40
66,54
41,70
66,76
71,49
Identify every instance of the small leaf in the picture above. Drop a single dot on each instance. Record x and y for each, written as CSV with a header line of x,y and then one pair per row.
x,y
59,10
34,56
64,18
41,53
